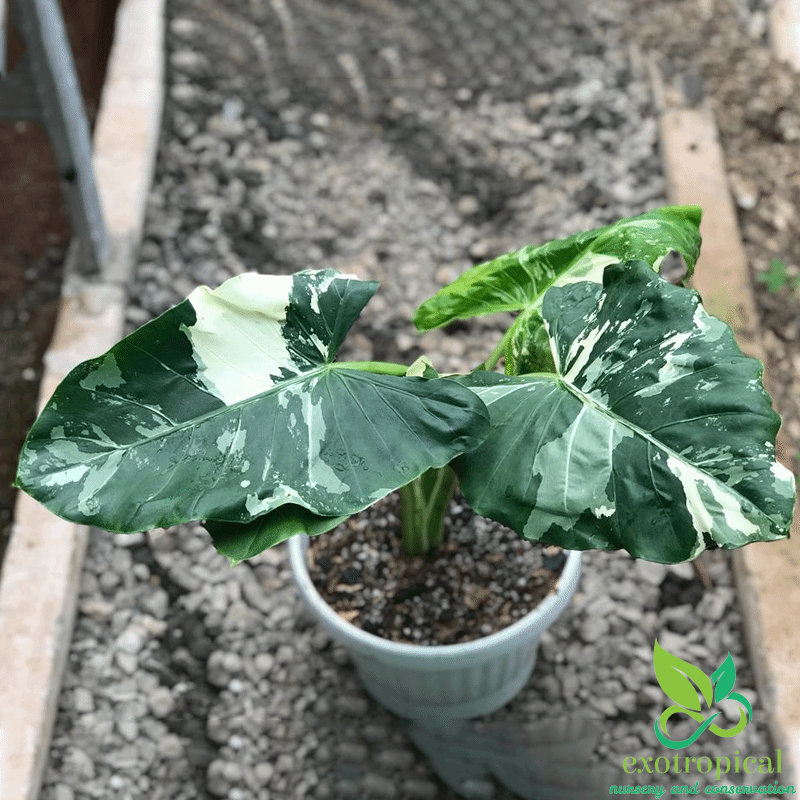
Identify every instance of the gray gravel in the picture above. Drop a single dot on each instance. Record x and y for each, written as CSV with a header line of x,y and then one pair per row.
x,y
386,155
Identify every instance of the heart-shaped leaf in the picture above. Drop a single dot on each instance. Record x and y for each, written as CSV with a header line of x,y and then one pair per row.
x,y
229,406
654,435
518,281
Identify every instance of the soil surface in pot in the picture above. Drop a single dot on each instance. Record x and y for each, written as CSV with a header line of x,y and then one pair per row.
x,y
482,578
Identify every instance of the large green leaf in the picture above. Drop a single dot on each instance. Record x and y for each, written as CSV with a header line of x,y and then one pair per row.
x,y
654,435
229,406
239,541
518,281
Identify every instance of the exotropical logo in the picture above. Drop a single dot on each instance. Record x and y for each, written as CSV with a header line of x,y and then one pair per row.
x,y
686,685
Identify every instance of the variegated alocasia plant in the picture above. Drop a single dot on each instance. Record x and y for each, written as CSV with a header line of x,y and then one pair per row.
x,y
627,418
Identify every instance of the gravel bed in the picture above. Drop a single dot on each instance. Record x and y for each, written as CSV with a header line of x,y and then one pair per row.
x,y
303,135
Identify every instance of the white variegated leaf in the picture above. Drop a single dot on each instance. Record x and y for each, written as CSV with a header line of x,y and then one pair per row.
x,y
518,281
229,406
654,433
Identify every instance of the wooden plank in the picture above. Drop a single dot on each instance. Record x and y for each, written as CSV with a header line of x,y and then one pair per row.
x,y
767,574
695,173
784,28
127,130
42,566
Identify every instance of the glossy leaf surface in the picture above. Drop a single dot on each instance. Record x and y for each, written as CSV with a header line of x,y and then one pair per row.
x,y
518,281
654,435
229,406
240,541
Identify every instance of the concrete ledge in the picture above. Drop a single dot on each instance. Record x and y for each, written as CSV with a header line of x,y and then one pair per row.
x,y
128,126
44,560
784,27
767,574
41,575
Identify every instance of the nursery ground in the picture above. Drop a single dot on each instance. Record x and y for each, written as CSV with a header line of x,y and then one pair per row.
x,y
302,135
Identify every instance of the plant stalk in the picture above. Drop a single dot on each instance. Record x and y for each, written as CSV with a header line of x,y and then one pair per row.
x,y
423,504
379,367
497,353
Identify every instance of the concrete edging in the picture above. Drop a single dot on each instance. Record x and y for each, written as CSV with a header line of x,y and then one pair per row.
x,y
767,574
43,563
784,29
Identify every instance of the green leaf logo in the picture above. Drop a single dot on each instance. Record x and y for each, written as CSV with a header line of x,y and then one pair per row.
x,y
724,677
686,684
678,679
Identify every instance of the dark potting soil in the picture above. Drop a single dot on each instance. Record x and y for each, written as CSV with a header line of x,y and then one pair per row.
x,y
482,578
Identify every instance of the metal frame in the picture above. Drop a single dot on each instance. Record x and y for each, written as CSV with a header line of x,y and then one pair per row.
x,y
3,26
43,86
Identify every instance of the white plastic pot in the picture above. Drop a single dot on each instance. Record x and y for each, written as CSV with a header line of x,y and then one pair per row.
x,y
451,681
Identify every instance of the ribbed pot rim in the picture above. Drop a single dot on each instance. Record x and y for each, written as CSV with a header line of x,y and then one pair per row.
x,y
540,617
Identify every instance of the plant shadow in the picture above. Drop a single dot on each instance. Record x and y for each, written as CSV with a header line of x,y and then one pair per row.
x,y
551,760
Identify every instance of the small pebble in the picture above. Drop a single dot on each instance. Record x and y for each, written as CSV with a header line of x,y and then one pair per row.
x,y
127,662
128,729
651,572
395,759
170,747
132,639
156,603
82,700
263,663
418,789
712,606
263,772
161,702
78,763
285,763
221,666
216,781
352,705
594,628
374,733
379,787
477,789
61,791
626,702
351,751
